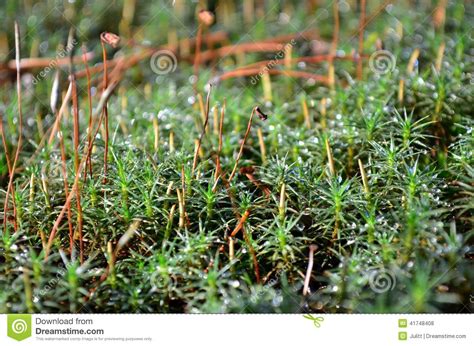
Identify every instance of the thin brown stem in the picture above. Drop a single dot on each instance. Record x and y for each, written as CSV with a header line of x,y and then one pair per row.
x,y
80,220
124,239
314,59
219,149
241,226
75,110
332,169
75,106
203,132
89,99
249,125
20,129
231,248
105,111
288,73
5,147
59,114
365,181
312,249
76,130
66,193
7,157
241,223
205,19
253,254
71,195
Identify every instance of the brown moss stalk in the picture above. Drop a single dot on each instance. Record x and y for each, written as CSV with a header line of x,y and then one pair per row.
x,y
219,148
203,132
241,223
7,157
309,269
66,193
241,150
20,130
113,40
261,143
307,119
89,101
332,169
